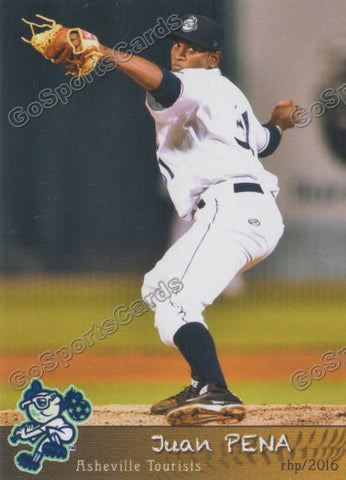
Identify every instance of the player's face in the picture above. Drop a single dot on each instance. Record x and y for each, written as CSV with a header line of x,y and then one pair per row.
x,y
184,55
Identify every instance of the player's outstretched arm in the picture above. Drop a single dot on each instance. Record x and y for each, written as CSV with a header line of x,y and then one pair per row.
x,y
80,51
147,74
163,85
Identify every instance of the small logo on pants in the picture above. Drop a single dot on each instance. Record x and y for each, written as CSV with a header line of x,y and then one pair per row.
x,y
254,221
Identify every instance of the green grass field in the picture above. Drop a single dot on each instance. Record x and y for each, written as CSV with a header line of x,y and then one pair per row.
x,y
42,313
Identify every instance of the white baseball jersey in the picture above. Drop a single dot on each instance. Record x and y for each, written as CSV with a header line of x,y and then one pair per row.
x,y
209,135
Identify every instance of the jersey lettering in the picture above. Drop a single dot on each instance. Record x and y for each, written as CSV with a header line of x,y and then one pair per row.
x,y
245,126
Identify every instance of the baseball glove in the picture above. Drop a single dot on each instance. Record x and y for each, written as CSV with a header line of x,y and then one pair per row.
x,y
76,49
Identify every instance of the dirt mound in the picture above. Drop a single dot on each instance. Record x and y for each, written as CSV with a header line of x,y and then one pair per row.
x,y
138,415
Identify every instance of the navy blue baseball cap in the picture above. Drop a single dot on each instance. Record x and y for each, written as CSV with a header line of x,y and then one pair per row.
x,y
201,31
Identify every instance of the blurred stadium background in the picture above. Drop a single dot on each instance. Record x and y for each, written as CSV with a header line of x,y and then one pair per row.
x,y
84,214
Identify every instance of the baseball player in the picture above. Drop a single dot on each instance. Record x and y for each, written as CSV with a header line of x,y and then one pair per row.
x,y
209,142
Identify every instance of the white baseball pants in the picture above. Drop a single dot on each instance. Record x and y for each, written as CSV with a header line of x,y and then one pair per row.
x,y
230,234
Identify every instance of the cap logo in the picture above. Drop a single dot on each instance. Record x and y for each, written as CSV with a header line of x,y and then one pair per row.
x,y
190,24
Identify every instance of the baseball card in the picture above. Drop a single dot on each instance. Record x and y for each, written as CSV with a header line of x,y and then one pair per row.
x,y
173,179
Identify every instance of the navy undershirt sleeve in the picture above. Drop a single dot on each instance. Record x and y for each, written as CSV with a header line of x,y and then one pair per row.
x,y
169,89
274,140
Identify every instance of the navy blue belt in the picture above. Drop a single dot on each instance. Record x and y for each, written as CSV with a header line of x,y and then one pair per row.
x,y
239,187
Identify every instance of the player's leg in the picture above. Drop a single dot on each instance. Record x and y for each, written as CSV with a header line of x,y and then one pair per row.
x,y
236,240
221,243
171,266
192,337
175,320
178,228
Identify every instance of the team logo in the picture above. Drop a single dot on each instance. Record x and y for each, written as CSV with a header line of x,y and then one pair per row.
x,y
190,24
49,426
254,221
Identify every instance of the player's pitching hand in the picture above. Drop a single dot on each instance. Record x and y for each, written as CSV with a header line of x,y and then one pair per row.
x,y
285,114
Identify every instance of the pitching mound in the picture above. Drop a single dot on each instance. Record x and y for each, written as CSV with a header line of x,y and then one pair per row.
x,y
137,415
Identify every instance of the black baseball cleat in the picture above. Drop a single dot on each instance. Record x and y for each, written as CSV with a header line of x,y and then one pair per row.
x,y
164,406
214,404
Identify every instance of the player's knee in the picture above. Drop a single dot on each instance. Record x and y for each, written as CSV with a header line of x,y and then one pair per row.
x,y
168,321
166,334
166,329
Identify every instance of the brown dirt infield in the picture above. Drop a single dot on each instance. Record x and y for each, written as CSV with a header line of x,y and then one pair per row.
x,y
129,367
138,415
158,367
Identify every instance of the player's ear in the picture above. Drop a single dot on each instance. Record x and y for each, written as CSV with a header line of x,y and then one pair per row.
x,y
214,59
